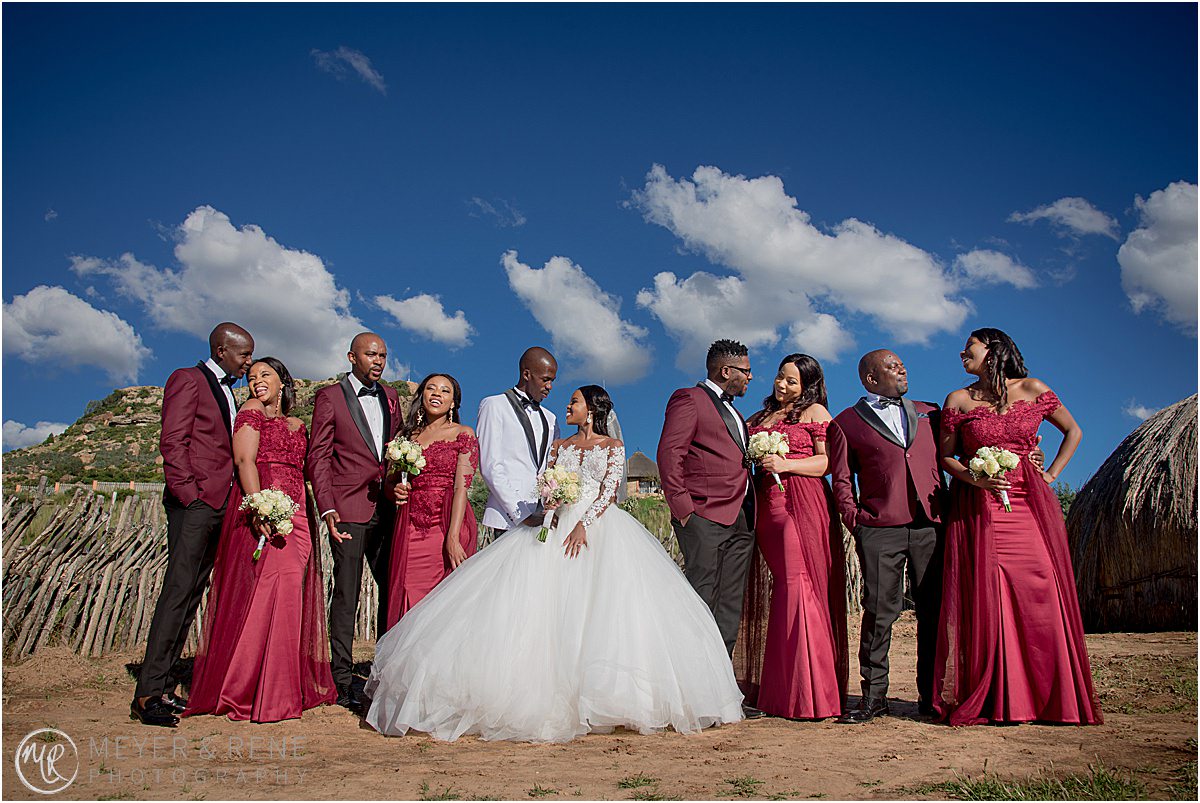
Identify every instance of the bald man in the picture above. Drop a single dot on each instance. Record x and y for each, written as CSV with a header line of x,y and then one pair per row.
x,y
352,422
197,450
515,432
887,446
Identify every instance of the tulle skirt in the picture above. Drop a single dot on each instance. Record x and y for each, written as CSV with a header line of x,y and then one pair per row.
x,y
522,643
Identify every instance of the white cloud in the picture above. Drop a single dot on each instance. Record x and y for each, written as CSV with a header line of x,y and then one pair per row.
x,y
341,61
18,436
583,320
1158,259
1139,411
286,298
50,215
425,315
1075,216
783,263
502,213
50,324
993,267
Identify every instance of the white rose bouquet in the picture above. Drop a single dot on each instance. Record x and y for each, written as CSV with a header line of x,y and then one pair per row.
x,y
405,457
992,461
556,486
274,507
765,443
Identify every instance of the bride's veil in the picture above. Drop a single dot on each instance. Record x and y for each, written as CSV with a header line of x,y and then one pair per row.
x,y
614,431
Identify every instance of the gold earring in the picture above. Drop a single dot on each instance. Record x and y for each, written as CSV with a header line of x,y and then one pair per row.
x,y
421,416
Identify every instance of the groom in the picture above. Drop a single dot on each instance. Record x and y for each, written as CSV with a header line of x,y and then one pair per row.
x,y
351,424
703,468
515,432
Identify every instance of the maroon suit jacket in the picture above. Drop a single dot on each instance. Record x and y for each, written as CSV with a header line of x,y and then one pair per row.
x,y
345,472
700,459
894,480
195,442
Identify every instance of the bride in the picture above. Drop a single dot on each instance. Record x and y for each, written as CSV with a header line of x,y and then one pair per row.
x,y
594,628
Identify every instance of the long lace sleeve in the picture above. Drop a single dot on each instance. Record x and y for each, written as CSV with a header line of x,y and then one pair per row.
x,y
608,487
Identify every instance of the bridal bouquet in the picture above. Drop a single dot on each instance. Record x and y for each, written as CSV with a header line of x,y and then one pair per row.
x,y
765,443
405,457
274,507
556,486
992,461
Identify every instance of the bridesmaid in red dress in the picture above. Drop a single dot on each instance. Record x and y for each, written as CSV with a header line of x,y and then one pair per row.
x,y
798,533
263,654
435,528
1010,646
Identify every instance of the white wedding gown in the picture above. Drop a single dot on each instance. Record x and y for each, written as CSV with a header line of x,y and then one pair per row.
x,y
521,642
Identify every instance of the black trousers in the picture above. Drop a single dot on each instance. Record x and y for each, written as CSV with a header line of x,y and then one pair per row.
x,y
370,542
716,560
883,553
192,536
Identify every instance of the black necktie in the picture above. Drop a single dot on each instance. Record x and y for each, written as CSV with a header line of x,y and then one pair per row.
x,y
230,380
887,401
727,398
371,391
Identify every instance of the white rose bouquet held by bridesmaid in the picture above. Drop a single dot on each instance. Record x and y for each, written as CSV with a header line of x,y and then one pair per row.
x,y
992,461
765,443
274,507
405,457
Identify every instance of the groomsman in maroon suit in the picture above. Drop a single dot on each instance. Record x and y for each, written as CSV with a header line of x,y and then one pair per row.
x,y
196,446
889,445
352,422
706,480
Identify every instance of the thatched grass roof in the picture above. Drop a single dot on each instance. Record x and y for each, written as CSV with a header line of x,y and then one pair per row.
x,y
641,467
1132,529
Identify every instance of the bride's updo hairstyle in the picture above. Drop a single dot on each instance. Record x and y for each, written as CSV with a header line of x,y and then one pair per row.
x,y
812,379
287,398
599,404
1004,362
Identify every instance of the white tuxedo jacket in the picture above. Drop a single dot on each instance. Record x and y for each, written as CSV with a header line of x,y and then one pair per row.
x,y
507,459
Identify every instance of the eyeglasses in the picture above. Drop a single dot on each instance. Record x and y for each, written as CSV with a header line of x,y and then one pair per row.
x,y
745,371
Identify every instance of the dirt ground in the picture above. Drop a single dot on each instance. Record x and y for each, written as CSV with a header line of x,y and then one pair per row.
x,y
1147,684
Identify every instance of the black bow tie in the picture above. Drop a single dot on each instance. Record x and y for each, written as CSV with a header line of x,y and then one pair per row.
x,y
371,391
229,380
887,401
527,403
727,398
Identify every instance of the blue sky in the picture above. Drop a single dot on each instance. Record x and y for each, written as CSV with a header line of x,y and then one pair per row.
x,y
622,183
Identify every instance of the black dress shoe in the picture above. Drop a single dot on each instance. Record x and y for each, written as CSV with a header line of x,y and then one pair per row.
x,y
867,710
750,712
175,702
154,712
926,709
347,699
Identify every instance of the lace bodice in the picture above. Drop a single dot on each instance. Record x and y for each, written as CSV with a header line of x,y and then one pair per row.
x,y
1016,429
802,436
280,458
429,488
600,470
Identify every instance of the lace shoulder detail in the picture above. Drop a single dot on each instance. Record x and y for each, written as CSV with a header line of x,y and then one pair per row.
x,y
614,470
468,444
1049,402
816,428
952,419
255,419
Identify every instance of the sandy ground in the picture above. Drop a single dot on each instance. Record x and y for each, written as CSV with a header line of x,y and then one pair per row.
x,y
1147,684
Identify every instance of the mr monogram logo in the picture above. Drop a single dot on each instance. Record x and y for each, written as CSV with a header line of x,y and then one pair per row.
x,y
47,761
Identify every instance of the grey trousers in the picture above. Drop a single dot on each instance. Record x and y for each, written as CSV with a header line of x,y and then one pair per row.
x,y
883,553
716,560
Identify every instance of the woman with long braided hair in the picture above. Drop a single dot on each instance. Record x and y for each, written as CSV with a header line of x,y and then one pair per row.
x,y
1010,644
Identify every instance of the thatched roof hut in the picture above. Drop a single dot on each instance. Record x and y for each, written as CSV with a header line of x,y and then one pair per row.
x,y
1132,529
641,467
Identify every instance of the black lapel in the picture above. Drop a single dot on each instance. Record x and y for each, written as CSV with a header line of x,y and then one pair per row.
x,y
545,437
515,401
731,423
222,402
867,414
356,413
386,406
910,412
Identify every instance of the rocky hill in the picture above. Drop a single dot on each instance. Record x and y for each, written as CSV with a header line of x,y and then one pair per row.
x,y
116,439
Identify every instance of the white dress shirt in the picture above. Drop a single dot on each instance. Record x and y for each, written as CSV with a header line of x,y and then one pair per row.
x,y
372,407
219,372
717,389
890,414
